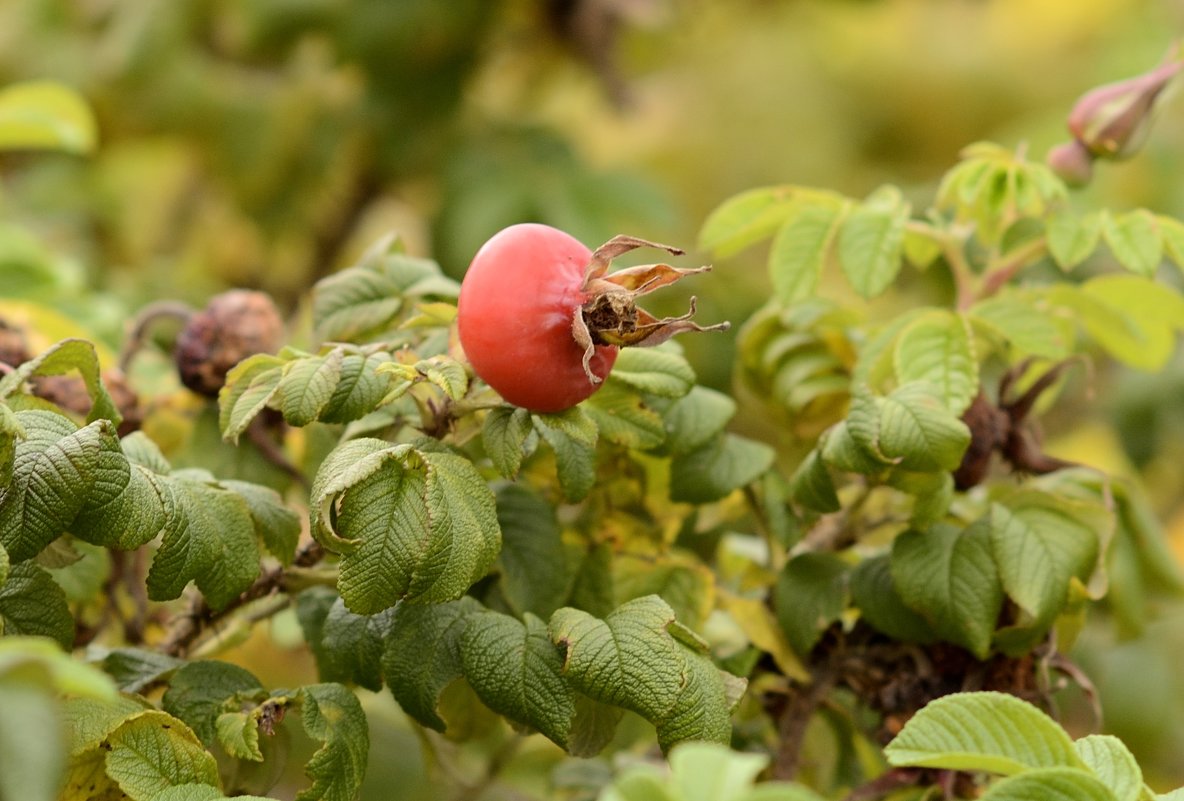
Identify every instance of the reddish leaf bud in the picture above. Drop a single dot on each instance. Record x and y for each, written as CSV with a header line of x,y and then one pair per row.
x,y
1072,162
1112,120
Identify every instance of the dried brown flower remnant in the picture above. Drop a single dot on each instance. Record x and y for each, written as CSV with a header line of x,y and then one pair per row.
x,y
232,326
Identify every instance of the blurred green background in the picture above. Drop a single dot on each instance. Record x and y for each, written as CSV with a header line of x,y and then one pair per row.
x,y
265,143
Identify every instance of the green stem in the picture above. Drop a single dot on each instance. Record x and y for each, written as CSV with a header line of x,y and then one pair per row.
x,y
1007,266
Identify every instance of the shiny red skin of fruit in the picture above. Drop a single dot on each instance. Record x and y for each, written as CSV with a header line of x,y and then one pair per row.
x,y
514,318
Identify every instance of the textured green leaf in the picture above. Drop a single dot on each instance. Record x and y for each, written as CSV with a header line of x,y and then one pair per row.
x,y
744,219
1113,764
238,734
4,566
949,577
1135,240
937,349
126,504
723,465
277,526
31,603
918,430
152,751
810,595
307,386
422,655
201,691
801,247
360,388
1050,784
54,470
695,419
516,671
446,373
45,115
870,242
209,538
1071,239
250,386
504,436
352,646
622,416
135,669
426,528
332,715
1031,330
535,576
10,431
1041,541
874,592
679,579
982,731
661,371
350,463
629,659
31,752
575,452
812,485
64,357
841,450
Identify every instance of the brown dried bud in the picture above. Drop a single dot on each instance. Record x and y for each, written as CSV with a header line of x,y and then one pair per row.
x,y
1112,120
1072,162
14,348
233,326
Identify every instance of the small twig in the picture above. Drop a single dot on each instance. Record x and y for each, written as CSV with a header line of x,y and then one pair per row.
x,y
886,783
187,626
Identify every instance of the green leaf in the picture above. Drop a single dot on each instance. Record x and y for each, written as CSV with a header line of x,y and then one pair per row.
x,y
209,539
810,595
517,672
31,752
1050,784
250,386
422,655
1140,342
812,485
200,792
982,731
575,451
31,603
695,419
801,248
39,661
535,576
921,247
135,669
1113,764
360,388
54,470
1153,303
201,691
660,371
277,526
949,577
308,385
744,219
504,436
918,430
331,714
1135,240
125,506
622,416
874,592
841,450
630,659
715,470
1172,231
63,357
446,373
45,115
679,579
1071,239
1041,541
4,566
152,751
238,734
350,463
1013,317
936,349
870,242
426,529
351,646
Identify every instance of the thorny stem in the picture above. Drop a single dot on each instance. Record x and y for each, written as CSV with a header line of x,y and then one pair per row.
x,y
185,628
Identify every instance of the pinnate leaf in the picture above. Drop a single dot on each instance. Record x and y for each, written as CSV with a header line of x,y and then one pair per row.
x,y
918,431
726,463
1112,763
745,218
982,731
1071,239
695,419
810,595
572,436
622,416
307,386
250,386
661,371
874,592
535,576
277,526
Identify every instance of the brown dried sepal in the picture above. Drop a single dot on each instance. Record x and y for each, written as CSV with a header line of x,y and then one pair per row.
x,y
1006,429
611,316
